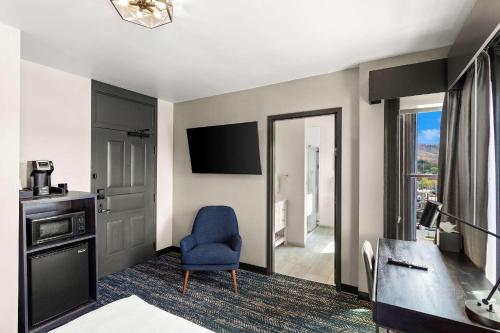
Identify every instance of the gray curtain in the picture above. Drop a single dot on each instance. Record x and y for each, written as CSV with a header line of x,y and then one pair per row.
x,y
494,53
458,188
475,241
455,174
447,176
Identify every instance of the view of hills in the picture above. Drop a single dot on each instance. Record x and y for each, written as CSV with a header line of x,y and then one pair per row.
x,y
427,158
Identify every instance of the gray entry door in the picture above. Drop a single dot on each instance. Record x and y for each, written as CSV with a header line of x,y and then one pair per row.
x,y
124,173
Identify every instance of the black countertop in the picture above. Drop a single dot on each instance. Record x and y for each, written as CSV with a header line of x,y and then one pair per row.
x,y
71,195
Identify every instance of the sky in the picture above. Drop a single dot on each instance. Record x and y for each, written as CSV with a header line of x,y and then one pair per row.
x,y
428,126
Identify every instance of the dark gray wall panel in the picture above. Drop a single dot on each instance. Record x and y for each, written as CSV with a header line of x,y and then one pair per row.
x,y
116,163
409,80
115,236
138,226
123,114
126,202
391,168
138,164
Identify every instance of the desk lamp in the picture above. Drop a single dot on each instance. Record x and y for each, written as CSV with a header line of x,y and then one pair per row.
x,y
482,311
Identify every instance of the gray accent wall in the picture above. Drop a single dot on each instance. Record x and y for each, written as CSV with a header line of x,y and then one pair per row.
x,y
362,157
247,194
371,153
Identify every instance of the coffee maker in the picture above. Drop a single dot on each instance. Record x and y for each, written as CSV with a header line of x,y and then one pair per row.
x,y
40,172
39,181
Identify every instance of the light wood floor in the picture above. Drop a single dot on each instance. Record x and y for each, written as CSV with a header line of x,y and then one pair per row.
x,y
315,262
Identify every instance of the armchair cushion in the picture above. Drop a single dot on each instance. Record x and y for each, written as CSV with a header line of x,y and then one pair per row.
x,y
188,243
235,243
215,224
210,254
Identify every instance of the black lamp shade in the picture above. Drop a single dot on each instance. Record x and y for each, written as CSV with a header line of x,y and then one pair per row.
x,y
430,215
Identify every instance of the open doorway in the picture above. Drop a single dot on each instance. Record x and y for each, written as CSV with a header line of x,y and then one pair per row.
x,y
304,195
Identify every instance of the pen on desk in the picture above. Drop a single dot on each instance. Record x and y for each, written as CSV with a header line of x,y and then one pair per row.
x,y
405,263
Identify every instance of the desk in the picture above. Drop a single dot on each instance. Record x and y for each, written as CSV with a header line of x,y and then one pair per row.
x,y
412,300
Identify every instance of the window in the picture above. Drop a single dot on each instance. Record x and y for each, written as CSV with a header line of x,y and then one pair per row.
x,y
419,151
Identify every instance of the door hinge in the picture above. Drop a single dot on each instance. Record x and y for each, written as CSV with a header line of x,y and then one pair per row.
x,y
154,197
154,150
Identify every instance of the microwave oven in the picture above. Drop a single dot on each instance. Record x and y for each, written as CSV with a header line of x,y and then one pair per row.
x,y
49,227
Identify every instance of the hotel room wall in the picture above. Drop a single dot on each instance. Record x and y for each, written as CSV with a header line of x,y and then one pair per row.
x,y
371,153
326,125
289,161
10,110
247,194
164,174
56,125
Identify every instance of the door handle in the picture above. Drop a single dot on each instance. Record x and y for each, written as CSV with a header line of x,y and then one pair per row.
x,y
104,211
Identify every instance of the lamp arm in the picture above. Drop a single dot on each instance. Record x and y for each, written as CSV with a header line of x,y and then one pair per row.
x,y
492,292
495,287
469,224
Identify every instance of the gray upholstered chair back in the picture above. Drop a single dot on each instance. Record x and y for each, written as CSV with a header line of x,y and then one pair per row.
x,y
369,259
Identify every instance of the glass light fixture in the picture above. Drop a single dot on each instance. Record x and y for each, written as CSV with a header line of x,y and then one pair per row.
x,y
148,13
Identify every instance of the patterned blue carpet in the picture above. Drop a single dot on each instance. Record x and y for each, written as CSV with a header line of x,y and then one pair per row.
x,y
264,304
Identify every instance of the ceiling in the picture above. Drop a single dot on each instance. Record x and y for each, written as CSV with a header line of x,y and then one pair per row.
x,y
219,46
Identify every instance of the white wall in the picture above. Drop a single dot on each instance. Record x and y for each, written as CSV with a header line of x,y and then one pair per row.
x,y
326,144
164,175
313,135
371,153
247,194
9,174
56,123
289,160
420,101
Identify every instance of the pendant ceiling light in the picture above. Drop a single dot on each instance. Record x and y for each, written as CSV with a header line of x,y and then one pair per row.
x,y
148,13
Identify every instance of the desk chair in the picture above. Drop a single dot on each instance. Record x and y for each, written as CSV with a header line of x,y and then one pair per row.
x,y
369,260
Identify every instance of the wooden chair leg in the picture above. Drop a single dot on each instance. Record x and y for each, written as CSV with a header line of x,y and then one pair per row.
x,y
235,281
185,284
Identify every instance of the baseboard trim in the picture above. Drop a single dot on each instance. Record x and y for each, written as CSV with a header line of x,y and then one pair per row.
x,y
349,289
354,290
167,250
244,266
364,296
253,268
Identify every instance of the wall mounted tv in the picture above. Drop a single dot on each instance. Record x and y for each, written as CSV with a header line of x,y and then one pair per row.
x,y
228,149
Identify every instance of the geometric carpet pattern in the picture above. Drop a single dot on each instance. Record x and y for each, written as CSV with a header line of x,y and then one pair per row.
x,y
264,303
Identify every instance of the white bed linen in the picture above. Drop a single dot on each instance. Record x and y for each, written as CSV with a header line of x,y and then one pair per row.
x,y
130,314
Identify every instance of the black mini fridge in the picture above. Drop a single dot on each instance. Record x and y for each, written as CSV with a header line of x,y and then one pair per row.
x,y
58,281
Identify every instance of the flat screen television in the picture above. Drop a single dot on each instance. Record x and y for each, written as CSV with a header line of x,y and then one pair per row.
x,y
227,149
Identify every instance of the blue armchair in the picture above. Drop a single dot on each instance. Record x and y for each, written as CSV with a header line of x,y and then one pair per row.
x,y
214,244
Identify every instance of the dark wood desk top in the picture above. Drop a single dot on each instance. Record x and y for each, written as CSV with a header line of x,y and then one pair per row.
x,y
412,300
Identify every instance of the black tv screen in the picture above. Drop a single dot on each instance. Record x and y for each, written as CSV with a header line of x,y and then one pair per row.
x,y
230,149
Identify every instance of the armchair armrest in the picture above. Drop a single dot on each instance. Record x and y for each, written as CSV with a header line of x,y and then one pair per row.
x,y
235,243
188,243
